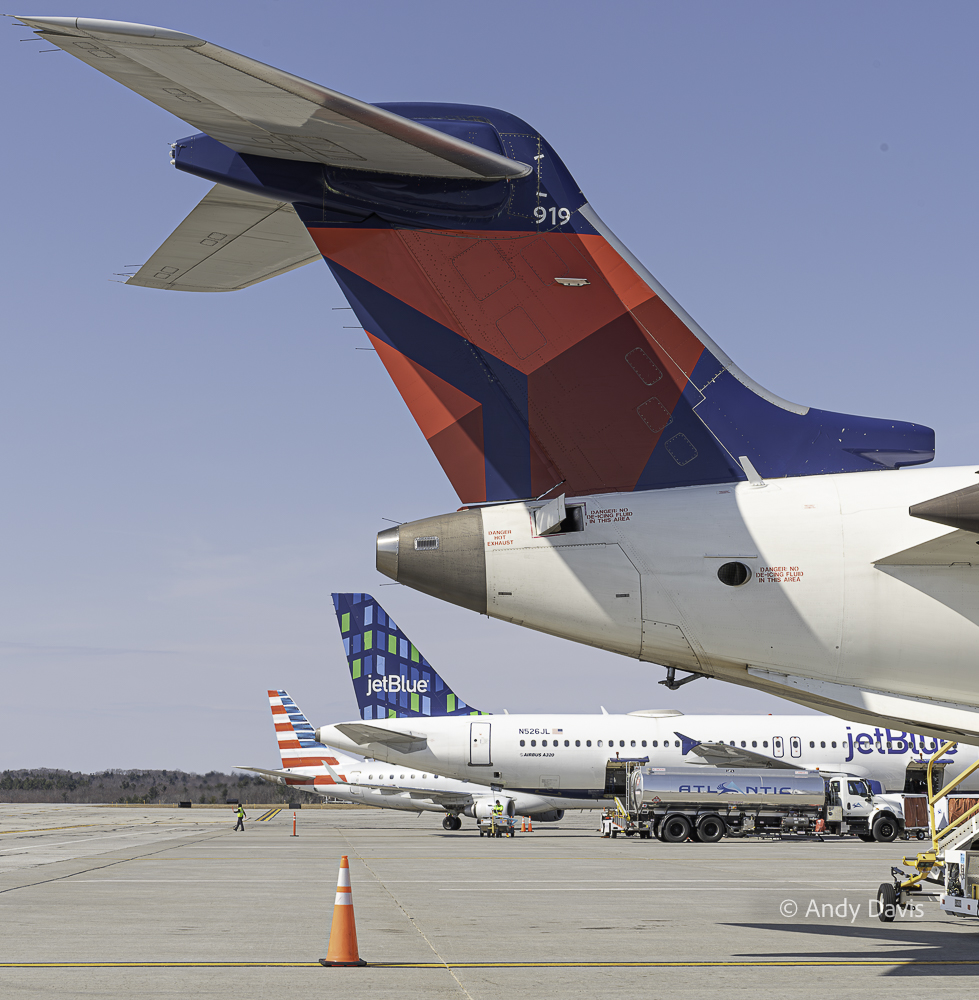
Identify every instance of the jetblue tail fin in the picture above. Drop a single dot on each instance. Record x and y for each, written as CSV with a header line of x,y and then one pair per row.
x,y
391,678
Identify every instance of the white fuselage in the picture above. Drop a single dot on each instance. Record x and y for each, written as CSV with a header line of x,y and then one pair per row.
x,y
380,784
836,613
564,756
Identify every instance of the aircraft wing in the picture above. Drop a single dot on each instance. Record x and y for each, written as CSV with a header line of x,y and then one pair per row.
x,y
294,779
229,241
363,734
724,755
254,108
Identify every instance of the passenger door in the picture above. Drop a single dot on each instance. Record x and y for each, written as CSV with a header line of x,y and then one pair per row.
x,y
479,744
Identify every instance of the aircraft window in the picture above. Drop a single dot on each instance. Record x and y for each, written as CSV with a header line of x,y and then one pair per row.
x,y
622,743
587,743
888,744
677,743
533,743
599,742
402,777
764,743
743,743
413,776
833,744
811,744
370,777
822,744
424,775
632,743
543,743
643,742
577,743
754,743
567,743
523,743
655,743
392,777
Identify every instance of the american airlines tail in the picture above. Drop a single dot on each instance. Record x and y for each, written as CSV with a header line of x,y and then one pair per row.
x,y
390,676
304,761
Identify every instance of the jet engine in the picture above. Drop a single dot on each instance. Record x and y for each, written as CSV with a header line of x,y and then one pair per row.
x,y
483,808
552,816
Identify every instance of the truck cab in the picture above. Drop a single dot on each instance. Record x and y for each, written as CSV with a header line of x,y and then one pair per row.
x,y
852,807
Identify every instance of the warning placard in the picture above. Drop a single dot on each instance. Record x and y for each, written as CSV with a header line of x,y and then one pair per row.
x,y
778,574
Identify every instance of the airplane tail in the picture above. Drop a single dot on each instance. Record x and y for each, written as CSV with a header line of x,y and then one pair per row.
x,y
296,737
532,348
391,678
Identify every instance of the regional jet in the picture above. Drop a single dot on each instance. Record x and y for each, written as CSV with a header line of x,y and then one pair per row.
x,y
312,767
624,483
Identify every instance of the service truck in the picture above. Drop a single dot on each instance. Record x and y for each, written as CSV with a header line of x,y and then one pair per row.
x,y
706,804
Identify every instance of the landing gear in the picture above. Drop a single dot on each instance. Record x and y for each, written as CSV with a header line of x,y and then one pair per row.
x,y
451,823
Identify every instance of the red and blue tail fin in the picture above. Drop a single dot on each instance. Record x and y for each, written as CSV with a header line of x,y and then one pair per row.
x,y
390,676
533,350
295,735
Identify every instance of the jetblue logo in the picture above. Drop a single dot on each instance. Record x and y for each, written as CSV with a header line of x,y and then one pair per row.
x,y
396,683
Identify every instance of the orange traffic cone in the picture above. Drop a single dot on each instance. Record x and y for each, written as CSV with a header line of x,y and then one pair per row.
x,y
523,824
530,824
342,949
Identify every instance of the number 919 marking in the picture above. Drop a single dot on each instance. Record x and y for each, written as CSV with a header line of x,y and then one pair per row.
x,y
560,216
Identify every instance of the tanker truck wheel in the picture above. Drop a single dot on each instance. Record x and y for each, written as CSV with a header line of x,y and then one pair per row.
x,y
885,829
710,829
676,829
886,902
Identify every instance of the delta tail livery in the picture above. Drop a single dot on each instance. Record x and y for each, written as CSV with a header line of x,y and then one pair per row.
x,y
309,765
568,756
625,485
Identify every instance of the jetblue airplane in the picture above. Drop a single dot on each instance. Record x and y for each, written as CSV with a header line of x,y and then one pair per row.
x,y
410,716
624,483
308,765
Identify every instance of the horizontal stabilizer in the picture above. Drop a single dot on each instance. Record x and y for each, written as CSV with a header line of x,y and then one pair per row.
x,y
229,241
950,549
254,108
362,735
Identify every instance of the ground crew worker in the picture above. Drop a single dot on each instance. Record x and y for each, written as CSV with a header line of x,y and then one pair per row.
x,y
240,813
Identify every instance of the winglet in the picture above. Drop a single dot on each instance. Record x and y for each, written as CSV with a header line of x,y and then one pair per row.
x,y
687,743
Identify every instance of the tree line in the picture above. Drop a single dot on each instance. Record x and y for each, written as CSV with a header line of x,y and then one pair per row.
x,y
139,787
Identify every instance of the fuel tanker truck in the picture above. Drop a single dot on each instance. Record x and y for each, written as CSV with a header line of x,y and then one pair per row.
x,y
706,804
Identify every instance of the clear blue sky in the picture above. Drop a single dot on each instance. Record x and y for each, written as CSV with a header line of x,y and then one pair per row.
x,y
187,478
